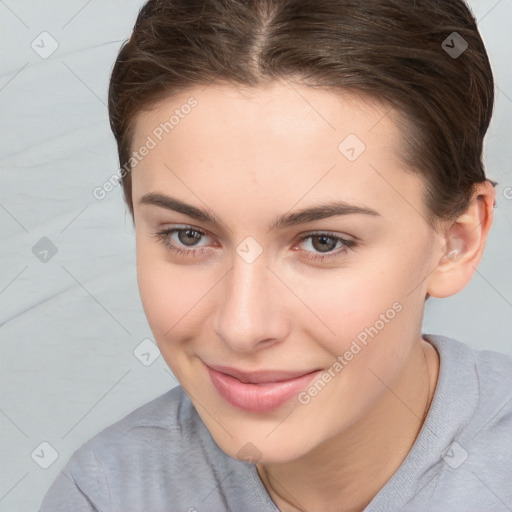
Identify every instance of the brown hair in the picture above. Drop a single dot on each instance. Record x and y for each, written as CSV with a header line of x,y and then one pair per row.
x,y
394,51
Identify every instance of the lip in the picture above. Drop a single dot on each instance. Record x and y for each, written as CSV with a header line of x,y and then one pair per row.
x,y
258,391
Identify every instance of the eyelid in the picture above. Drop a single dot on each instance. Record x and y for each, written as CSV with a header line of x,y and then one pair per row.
x,y
333,234
163,235
347,244
183,227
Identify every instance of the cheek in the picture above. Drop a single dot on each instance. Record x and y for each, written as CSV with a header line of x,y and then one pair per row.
x,y
344,302
367,315
336,306
171,294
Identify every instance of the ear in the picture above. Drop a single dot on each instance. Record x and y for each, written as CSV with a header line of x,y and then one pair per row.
x,y
463,243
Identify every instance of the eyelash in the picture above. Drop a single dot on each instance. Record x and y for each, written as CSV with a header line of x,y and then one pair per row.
x,y
164,237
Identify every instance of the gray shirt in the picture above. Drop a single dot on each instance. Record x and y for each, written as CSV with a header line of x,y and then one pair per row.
x,y
162,458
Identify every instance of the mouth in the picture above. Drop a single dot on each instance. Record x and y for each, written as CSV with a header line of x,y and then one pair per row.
x,y
259,391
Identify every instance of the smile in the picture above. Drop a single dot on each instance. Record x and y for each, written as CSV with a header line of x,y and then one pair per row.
x,y
258,391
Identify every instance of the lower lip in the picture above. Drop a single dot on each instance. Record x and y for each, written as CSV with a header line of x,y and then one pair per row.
x,y
263,397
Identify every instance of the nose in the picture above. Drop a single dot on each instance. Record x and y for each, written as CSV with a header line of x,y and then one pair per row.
x,y
250,313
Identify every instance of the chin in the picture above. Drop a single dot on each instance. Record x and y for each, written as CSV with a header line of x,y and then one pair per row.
x,y
260,449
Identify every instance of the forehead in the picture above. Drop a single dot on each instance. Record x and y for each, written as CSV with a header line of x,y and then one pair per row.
x,y
283,141
282,109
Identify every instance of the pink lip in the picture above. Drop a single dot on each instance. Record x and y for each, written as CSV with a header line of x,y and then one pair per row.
x,y
260,391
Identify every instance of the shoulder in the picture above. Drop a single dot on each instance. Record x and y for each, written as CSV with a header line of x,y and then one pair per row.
x,y
168,411
491,370
158,454
149,440
474,414
163,419
479,380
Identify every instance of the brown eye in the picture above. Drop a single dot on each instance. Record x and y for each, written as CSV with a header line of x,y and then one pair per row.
x,y
323,243
320,247
188,236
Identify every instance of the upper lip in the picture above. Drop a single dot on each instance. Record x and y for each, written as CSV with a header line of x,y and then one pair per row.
x,y
260,376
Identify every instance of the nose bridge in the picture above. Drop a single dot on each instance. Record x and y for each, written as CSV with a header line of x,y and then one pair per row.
x,y
248,312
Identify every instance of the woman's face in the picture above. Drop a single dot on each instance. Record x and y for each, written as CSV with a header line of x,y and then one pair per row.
x,y
254,283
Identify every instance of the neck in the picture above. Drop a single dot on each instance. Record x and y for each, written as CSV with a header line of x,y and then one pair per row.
x,y
353,466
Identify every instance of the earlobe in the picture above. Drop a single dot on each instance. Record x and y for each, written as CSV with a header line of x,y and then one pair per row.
x,y
463,243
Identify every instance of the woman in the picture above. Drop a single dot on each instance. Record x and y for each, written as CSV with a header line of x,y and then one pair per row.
x,y
302,177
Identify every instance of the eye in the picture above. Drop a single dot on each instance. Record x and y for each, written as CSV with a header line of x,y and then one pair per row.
x,y
188,237
182,240
320,246
186,240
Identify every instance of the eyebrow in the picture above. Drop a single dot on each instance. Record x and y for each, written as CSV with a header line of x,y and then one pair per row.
x,y
311,214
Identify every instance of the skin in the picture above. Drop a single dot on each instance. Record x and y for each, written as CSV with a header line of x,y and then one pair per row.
x,y
247,157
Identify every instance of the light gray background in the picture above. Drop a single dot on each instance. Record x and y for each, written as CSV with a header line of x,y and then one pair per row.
x,y
69,326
